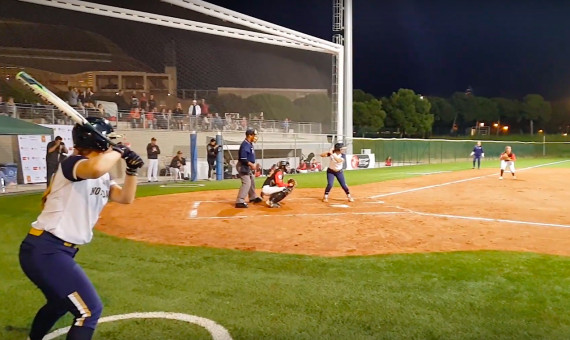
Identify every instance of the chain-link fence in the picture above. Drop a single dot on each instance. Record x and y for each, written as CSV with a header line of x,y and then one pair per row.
x,y
427,151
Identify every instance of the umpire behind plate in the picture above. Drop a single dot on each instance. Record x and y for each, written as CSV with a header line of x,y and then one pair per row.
x,y
275,188
245,167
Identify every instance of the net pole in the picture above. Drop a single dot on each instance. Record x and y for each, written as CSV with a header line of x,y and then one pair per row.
x,y
219,157
193,156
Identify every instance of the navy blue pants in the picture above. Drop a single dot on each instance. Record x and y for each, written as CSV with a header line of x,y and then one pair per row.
x,y
330,180
50,265
478,160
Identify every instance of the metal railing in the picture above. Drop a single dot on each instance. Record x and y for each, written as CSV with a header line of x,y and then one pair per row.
x,y
48,114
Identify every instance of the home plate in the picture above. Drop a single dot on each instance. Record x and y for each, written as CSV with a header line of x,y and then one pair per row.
x,y
340,206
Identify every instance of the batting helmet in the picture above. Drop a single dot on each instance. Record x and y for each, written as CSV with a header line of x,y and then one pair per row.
x,y
87,139
338,146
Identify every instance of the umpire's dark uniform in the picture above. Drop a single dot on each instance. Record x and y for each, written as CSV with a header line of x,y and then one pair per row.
x,y
245,173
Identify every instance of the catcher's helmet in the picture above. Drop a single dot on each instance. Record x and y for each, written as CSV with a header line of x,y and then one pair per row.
x,y
283,165
338,146
87,139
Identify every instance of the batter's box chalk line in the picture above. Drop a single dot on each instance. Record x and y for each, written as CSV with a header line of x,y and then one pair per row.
x,y
217,331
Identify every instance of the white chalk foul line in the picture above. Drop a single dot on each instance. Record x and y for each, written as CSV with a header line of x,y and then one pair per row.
x,y
404,211
484,219
194,211
293,215
216,331
459,181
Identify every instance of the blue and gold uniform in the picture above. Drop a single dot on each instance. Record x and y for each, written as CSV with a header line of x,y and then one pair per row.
x,y
71,208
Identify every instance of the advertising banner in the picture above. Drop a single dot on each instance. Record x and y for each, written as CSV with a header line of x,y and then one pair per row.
x,y
355,162
33,157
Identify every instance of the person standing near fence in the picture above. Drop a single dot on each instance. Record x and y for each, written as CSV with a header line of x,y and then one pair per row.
x,y
335,170
245,167
56,152
194,111
152,151
477,154
212,149
71,206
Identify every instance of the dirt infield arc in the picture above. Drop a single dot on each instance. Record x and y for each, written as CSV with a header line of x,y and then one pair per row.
x,y
467,210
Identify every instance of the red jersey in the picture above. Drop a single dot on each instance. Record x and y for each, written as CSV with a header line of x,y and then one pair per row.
x,y
509,155
275,180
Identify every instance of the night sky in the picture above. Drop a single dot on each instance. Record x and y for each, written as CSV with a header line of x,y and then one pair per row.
x,y
499,48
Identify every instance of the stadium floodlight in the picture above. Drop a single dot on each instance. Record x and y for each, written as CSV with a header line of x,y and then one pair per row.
x,y
254,23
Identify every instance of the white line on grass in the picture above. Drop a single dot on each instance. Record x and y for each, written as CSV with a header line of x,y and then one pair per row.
x,y
217,331
459,181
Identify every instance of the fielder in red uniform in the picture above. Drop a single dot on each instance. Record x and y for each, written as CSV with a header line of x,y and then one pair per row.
x,y
508,159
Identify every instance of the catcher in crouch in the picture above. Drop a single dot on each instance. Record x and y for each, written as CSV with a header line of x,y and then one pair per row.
x,y
275,187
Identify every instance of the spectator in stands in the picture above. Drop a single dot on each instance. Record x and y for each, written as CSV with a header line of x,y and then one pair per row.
x,y
151,103
10,108
143,102
205,108
162,119
178,116
72,96
151,119
89,96
218,122
134,101
261,119
120,101
194,111
388,161
207,122
82,97
243,123
286,125
135,117
102,112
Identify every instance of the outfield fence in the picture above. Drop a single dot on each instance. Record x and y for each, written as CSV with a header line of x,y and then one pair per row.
x,y
427,151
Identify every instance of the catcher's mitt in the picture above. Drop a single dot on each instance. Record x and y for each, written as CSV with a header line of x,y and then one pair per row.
x,y
292,182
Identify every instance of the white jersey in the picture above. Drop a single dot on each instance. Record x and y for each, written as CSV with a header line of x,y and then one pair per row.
x,y
74,204
336,162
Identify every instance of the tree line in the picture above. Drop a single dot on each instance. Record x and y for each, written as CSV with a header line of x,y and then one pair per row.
x,y
408,114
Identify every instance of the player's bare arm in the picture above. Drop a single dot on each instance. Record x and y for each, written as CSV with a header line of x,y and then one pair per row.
x,y
98,165
126,193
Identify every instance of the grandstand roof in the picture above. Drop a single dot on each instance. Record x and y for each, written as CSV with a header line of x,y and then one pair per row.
x,y
61,49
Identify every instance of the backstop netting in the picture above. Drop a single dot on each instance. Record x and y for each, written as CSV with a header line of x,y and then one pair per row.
x,y
239,81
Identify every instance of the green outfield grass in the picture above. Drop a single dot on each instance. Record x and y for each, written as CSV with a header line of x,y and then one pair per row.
x,y
462,295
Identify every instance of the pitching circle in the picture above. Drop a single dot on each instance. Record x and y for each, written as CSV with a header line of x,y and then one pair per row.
x,y
217,331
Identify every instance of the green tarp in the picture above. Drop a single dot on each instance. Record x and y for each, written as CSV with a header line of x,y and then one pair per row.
x,y
12,126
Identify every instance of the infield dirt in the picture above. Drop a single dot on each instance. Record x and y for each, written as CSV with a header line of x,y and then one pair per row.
x,y
466,210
